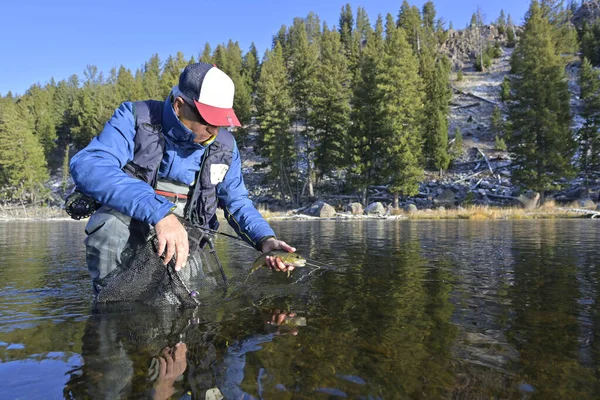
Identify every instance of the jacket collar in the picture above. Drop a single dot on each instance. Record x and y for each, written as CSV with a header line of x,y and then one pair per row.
x,y
174,129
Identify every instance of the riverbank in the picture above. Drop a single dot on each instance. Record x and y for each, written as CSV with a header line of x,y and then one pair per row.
x,y
547,211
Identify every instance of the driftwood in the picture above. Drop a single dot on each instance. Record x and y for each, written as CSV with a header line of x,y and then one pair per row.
x,y
468,177
486,160
473,95
593,214
497,196
466,106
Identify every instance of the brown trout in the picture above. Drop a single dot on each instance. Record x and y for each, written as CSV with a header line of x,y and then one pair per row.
x,y
289,258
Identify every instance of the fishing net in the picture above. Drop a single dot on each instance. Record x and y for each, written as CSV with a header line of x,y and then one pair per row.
x,y
145,279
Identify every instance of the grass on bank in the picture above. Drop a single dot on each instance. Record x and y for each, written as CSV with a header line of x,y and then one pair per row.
x,y
549,210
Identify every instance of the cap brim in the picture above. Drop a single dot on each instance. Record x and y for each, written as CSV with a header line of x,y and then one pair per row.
x,y
216,116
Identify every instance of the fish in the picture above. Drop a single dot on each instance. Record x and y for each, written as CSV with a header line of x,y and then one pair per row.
x,y
294,259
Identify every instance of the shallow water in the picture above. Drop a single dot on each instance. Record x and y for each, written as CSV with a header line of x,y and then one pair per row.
x,y
403,309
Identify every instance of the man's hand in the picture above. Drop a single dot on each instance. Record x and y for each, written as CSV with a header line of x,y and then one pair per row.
x,y
172,235
274,262
172,364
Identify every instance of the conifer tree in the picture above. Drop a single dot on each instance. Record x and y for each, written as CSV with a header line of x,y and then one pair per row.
x,y
505,90
273,104
151,79
330,104
364,144
170,74
457,146
22,162
589,133
206,56
400,97
302,72
345,26
409,19
125,86
38,102
539,114
496,122
590,43
501,22
251,69
312,22
435,72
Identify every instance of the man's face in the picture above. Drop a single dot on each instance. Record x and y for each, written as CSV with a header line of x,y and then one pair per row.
x,y
189,116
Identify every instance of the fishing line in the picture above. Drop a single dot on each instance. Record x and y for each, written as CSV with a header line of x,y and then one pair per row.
x,y
313,263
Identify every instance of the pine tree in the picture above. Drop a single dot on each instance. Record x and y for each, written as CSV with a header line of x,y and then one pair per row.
x,y
345,26
125,87
564,33
496,122
170,74
457,145
409,19
505,90
511,39
435,72
151,79
539,114
330,105
589,133
400,97
251,70
364,145
501,22
590,43
206,56
273,104
22,162
302,72
38,102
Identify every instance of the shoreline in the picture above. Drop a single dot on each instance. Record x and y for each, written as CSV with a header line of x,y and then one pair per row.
x,y
473,213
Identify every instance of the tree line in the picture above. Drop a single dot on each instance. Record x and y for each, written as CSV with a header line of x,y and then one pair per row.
x,y
365,102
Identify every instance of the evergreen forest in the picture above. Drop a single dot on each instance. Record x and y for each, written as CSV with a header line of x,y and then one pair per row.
x,y
365,101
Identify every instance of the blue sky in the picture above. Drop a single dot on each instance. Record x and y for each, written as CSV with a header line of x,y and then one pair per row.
x,y
45,39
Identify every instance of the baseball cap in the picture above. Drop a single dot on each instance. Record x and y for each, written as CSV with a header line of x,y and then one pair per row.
x,y
212,91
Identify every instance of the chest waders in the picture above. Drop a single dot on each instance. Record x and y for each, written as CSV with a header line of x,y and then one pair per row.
x,y
145,279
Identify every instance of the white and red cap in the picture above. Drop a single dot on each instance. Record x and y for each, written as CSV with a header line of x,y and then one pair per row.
x,y
212,91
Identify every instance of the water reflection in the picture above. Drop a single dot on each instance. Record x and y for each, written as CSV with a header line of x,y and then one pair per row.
x,y
408,309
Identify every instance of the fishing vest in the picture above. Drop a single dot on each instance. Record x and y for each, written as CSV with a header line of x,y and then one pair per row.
x,y
149,146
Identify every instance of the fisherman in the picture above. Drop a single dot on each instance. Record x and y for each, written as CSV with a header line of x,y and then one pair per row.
x,y
156,162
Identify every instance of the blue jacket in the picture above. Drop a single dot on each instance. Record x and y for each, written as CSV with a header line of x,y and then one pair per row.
x,y
98,172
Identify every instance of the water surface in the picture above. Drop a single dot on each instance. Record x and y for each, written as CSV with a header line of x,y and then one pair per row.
x,y
404,309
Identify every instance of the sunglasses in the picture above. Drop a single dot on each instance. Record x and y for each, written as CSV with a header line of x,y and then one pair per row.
x,y
195,110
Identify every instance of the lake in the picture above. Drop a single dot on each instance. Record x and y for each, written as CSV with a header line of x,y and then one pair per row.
x,y
399,309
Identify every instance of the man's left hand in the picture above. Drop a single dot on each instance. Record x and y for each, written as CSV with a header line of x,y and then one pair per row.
x,y
274,262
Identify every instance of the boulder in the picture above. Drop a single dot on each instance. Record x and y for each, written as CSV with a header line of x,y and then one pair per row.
x,y
356,209
375,209
320,209
446,198
410,208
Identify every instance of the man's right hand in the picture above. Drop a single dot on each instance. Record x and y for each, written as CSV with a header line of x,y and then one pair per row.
x,y
172,236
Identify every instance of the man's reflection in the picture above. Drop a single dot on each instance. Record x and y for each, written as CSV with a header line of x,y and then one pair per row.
x,y
163,354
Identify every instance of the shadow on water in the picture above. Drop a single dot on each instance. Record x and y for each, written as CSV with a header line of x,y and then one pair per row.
x,y
407,309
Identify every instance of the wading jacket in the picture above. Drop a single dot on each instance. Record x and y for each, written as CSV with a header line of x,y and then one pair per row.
x,y
120,166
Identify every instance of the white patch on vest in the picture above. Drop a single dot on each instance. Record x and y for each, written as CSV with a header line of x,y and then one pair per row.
x,y
217,173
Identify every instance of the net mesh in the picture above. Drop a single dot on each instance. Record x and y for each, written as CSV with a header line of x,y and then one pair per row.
x,y
145,279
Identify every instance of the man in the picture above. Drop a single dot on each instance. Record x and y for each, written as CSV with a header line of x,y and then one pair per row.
x,y
155,161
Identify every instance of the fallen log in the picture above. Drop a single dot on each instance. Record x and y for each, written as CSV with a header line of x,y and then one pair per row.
x,y
473,95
